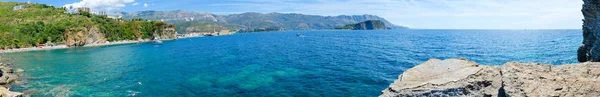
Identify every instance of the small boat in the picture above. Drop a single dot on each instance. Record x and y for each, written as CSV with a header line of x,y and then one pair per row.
x,y
156,41
299,35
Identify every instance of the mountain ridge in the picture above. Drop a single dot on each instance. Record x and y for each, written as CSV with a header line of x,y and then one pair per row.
x,y
256,20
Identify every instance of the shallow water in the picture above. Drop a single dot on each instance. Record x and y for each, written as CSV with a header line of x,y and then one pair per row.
x,y
321,63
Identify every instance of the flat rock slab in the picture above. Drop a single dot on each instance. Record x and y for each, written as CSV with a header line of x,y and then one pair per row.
x,y
460,77
452,77
539,80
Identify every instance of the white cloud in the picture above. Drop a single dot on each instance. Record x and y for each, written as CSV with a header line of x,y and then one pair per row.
x,y
135,4
104,5
146,5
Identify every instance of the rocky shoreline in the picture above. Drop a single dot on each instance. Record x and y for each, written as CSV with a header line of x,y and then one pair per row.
x,y
460,77
9,76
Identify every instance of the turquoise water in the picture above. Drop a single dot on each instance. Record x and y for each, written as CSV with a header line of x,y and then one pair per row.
x,y
321,63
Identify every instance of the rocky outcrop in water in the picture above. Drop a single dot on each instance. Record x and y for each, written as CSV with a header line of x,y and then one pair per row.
x,y
460,77
9,76
590,50
367,25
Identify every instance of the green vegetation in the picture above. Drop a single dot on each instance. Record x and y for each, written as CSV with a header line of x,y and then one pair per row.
x,y
40,23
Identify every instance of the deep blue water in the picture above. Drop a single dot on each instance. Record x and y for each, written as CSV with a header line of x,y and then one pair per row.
x,y
322,63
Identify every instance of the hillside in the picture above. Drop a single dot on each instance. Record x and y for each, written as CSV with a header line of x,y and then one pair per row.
x,y
251,21
37,24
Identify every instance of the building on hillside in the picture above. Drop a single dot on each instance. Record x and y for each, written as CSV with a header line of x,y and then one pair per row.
x,y
19,7
85,9
76,10
103,13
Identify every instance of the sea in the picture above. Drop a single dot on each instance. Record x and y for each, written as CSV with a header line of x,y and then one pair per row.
x,y
275,64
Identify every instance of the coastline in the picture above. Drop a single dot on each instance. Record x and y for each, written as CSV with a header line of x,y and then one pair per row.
x,y
63,46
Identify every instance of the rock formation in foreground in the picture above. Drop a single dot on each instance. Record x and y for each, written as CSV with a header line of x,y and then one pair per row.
x,y
460,77
9,76
591,32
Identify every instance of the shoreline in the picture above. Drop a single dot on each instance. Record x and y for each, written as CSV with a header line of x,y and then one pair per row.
x,y
63,46
461,77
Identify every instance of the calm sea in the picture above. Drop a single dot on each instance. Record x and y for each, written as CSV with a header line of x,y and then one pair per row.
x,y
320,63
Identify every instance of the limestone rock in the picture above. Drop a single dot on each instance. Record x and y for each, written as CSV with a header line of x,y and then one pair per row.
x,y
539,80
4,92
83,36
459,77
7,77
452,77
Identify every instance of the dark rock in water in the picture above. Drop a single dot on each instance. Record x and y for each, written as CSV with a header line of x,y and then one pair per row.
x,y
367,25
590,50
459,77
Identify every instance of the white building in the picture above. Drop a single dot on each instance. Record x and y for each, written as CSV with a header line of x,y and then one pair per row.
x,y
19,7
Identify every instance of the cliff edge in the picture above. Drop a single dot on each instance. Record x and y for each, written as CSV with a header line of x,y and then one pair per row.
x,y
460,77
591,32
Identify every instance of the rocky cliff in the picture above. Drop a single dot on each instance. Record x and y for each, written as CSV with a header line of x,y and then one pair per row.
x,y
590,49
460,77
83,36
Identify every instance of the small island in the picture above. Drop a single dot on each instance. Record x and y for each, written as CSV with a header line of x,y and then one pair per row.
x,y
366,25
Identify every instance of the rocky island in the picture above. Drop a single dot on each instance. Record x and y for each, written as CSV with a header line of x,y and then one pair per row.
x,y
367,25
460,77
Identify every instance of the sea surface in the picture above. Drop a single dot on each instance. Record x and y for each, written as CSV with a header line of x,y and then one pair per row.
x,y
320,63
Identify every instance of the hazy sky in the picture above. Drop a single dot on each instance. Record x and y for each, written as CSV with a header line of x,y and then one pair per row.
x,y
430,14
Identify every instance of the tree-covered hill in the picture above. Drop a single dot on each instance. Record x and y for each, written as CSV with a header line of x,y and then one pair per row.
x,y
39,23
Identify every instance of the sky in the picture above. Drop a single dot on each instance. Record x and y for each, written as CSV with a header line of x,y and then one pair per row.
x,y
422,14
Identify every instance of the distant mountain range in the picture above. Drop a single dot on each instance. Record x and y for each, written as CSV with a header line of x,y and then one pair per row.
x,y
252,20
